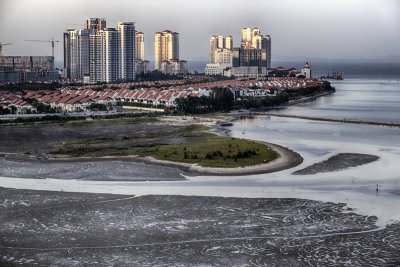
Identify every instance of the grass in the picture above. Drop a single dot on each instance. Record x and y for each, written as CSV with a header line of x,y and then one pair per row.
x,y
81,122
214,151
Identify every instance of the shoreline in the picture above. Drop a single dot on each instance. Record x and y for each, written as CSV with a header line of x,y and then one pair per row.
x,y
286,159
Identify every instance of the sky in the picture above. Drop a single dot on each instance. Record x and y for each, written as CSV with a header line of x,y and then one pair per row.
x,y
306,29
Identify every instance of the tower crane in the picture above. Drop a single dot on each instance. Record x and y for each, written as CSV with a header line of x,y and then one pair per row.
x,y
1,47
52,41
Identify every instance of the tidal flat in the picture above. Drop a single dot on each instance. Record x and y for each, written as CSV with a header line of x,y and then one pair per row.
x,y
43,228
127,149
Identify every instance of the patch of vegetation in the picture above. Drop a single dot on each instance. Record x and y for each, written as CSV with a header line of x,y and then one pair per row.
x,y
221,99
198,147
209,150
31,86
75,151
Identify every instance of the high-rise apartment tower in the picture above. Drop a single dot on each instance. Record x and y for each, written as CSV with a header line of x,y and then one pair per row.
x,y
166,47
139,46
219,44
127,55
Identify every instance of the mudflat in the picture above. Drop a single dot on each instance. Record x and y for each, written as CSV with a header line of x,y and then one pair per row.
x,y
122,150
41,228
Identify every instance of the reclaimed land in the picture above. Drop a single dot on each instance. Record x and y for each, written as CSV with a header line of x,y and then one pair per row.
x,y
186,144
42,228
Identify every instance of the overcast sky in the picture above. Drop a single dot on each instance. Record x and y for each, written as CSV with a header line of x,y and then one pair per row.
x,y
332,29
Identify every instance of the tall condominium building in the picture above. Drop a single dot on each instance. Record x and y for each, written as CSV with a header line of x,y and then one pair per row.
x,y
96,24
217,44
253,58
213,46
76,48
166,47
127,37
105,60
142,65
139,46
111,55
248,37
228,42
76,53
96,57
100,54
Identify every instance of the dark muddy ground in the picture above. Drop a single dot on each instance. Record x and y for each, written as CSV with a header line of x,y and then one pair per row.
x,y
39,228
98,170
24,150
35,140
338,162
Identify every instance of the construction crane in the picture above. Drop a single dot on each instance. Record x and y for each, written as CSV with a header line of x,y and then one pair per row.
x,y
1,48
52,41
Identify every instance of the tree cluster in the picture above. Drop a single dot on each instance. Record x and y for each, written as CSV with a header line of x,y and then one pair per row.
x,y
220,99
31,86
260,102
40,107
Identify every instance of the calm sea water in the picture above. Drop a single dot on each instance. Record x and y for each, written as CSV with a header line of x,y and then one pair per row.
x,y
385,70
370,91
357,99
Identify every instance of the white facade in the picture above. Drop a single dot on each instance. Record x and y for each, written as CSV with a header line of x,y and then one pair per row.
x,y
218,44
223,56
173,67
111,50
306,71
103,54
105,61
76,53
217,69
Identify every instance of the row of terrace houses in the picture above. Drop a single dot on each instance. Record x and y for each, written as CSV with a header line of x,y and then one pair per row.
x,y
71,99
74,100
13,102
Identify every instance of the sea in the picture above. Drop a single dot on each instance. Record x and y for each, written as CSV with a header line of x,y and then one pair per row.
x,y
370,91
386,70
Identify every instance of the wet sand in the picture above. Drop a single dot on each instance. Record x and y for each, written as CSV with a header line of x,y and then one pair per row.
x,y
42,228
338,162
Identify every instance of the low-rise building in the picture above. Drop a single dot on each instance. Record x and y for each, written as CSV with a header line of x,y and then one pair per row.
x,y
217,69
174,67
